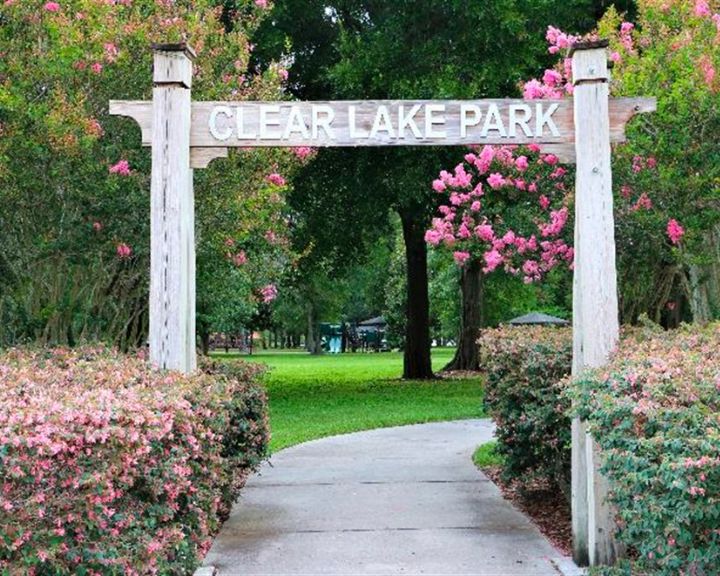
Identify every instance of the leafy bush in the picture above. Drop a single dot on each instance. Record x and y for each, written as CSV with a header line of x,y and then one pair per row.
x,y
655,411
111,467
525,369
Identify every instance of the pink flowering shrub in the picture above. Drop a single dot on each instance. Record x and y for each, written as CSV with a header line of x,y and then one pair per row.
x,y
507,207
655,411
526,368
111,467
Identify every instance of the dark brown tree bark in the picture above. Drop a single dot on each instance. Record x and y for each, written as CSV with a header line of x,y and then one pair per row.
x,y
205,343
312,342
416,362
467,356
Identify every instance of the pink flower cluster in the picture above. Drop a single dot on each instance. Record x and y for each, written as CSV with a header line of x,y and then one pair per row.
x,y
123,250
121,168
101,453
304,152
674,231
478,193
239,259
276,179
559,40
702,9
708,70
268,293
556,82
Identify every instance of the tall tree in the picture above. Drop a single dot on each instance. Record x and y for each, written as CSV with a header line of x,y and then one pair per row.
x,y
410,49
74,209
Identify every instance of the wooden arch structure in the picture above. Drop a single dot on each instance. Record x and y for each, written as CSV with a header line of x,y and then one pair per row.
x,y
186,135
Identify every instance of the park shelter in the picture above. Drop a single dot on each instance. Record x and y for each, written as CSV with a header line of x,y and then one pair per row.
x,y
379,323
538,318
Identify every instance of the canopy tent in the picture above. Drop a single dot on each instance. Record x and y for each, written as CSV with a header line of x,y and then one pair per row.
x,y
377,322
538,318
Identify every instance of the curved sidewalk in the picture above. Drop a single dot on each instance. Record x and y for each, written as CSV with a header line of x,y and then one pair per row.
x,y
404,500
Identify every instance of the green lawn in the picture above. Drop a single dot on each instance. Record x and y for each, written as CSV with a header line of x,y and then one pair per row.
x,y
486,455
316,396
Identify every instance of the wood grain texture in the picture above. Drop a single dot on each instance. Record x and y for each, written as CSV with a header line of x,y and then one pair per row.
x,y
172,233
201,157
595,300
140,111
621,111
588,66
172,67
380,123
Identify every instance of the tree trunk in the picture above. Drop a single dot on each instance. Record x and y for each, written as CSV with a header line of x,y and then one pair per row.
x,y
467,355
416,362
313,333
205,342
698,294
203,330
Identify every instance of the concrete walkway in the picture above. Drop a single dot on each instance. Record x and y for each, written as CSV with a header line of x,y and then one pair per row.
x,y
404,500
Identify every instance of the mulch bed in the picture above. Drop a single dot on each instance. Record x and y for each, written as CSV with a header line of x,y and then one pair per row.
x,y
544,505
457,374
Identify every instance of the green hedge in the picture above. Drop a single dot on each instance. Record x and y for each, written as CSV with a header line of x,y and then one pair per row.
x,y
526,367
655,411
111,467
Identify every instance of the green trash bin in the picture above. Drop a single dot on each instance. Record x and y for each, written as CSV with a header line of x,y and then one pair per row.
x,y
331,335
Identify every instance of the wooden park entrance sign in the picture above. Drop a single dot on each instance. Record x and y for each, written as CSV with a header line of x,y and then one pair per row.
x,y
185,135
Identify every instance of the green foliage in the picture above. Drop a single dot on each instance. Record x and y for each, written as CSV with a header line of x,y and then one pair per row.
x,y
112,467
526,367
444,289
400,49
622,568
655,411
507,296
317,396
395,310
63,214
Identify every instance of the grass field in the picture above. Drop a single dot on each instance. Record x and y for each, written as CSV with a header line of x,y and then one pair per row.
x,y
486,455
316,396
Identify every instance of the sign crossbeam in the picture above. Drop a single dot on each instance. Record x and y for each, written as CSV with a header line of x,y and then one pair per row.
x,y
386,123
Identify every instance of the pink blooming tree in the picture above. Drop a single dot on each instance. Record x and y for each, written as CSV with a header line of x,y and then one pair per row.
x,y
76,256
665,176
504,209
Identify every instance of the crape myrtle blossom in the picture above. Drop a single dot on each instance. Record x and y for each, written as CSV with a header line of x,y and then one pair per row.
x,y
276,179
121,168
506,207
112,467
123,251
268,293
557,82
674,231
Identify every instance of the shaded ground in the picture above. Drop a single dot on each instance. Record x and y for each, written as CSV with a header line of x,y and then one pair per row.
x,y
546,507
393,501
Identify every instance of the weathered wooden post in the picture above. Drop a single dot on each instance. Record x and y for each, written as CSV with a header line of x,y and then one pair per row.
x,y
595,300
172,225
